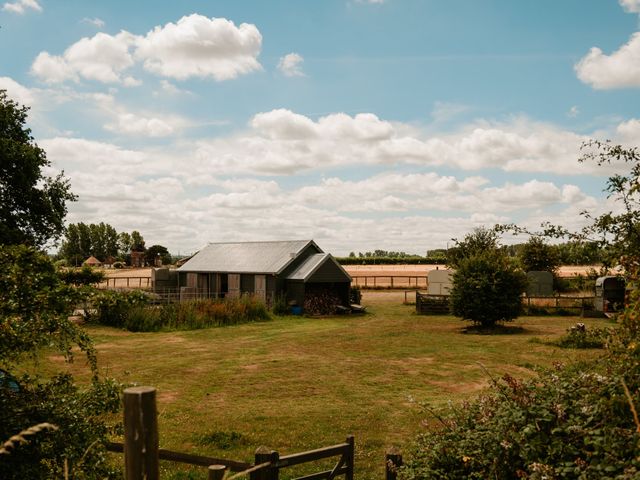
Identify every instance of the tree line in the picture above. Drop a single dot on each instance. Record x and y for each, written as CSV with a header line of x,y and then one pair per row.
x,y
104,242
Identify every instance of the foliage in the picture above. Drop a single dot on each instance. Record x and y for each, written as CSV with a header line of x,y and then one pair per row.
x,y
536,255
130,310
99,240
375,260
80,440
579,336
34,308
280,305
155,251
32,205
112,307
81,276
481,240
487,288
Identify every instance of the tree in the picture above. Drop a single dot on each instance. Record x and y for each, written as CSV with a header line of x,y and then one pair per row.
x,y
155,251
486,286
34,313
481,240
32,205
536,255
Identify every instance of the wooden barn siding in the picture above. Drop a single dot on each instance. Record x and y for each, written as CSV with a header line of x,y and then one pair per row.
x,y
272,286
329,272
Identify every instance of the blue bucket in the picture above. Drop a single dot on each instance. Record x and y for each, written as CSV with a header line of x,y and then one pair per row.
x,y
296,310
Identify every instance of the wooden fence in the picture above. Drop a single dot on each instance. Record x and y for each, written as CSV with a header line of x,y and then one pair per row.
x,y
389,281
142,453
126,282
439,304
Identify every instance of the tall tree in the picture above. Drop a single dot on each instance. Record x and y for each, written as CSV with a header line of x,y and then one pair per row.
x,y
32,205
538,255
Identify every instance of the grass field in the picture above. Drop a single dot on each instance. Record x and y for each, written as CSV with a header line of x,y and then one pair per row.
x,y
300,383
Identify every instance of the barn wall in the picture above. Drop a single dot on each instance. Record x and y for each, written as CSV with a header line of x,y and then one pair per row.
x,y
295,292
247,283
329,272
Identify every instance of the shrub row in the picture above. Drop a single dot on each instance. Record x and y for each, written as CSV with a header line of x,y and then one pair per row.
x,y
131,310
568,422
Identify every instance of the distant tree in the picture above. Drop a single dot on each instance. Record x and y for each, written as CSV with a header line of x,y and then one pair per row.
x,y
137,242
538,255
32,205
487,288
480,240
155,251
352,255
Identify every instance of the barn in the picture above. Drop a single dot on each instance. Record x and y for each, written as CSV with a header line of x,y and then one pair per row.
x,y
296,269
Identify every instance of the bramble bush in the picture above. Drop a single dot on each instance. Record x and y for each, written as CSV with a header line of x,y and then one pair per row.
x,y
579,336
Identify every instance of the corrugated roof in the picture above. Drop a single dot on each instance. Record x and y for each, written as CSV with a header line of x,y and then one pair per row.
x,y
311,264
246,257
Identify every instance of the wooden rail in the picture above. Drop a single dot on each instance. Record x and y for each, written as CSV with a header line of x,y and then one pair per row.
x,y
142,453
126,282
392,281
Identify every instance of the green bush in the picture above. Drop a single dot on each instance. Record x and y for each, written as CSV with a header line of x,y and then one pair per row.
x,y
131,311
280,305
571,422
112,307
579,336
487,288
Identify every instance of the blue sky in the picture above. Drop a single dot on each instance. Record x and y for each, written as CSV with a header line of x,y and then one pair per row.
x,y
393,124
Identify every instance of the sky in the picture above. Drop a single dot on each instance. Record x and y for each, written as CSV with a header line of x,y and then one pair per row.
x,y
362,124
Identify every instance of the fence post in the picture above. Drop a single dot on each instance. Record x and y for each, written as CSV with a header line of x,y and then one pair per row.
x,y
216,472
350,458
140,434
264,454
393,461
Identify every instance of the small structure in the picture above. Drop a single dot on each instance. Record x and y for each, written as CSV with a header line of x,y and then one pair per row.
x,y
439,282
137,259
610,292
92,262
297,269
540,284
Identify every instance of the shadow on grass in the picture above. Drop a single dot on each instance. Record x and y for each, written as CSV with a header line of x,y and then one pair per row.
x,y
495,330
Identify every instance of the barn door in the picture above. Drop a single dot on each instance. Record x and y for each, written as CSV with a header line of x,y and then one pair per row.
x,y
234,285
260,287
192,280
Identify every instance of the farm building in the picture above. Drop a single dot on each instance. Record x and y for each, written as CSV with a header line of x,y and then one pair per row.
x,y
297,269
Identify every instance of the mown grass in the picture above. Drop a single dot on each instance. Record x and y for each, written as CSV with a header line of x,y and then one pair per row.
x,y
301,383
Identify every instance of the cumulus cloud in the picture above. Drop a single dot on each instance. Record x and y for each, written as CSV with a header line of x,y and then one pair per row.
x,y
283,142
102,57
22,6
195,46
17,92
291,65
631,6
621,69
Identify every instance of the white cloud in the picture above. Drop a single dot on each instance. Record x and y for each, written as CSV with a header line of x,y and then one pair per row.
x,y
132,124
291,65
96,22
197,46
621,69
21,6
573,112
17,92
102,57
631,6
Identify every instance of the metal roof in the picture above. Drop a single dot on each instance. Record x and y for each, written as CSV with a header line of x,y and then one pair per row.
x,y
311,264
247,257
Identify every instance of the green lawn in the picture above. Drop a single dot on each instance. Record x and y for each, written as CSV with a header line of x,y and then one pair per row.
x,y
294,384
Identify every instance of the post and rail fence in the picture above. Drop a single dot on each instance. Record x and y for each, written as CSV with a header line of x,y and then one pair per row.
x,y
142,453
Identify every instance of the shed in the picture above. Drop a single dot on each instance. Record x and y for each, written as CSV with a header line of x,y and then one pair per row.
x,y
439,282
540,284
297,269
92,262
609,295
